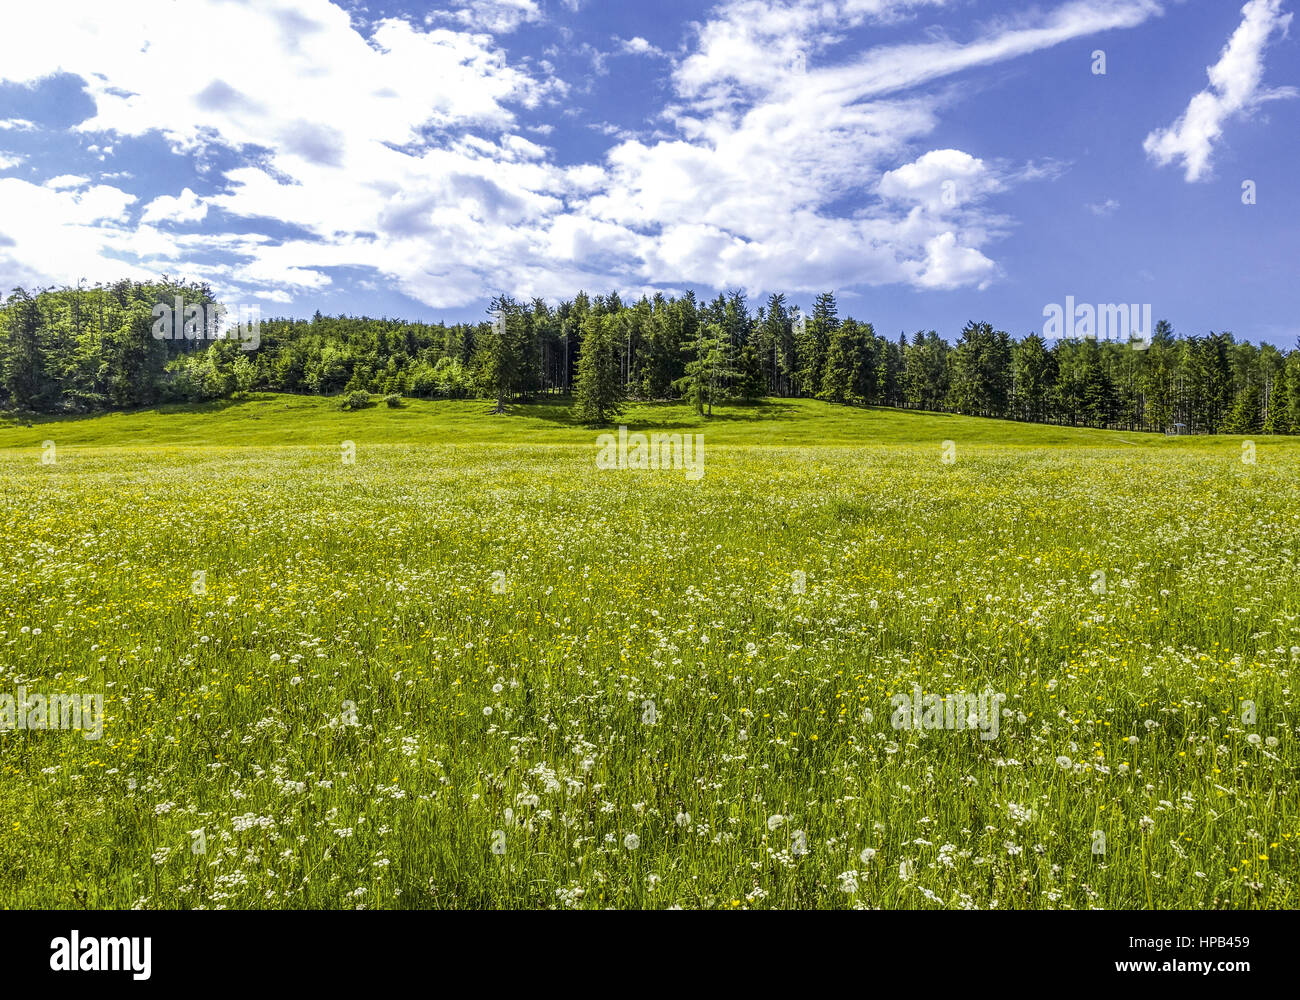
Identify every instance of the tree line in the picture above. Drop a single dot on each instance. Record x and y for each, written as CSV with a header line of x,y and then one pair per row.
x,y
87,349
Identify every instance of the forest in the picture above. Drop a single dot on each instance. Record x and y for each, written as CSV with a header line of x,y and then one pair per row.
x,y
90,349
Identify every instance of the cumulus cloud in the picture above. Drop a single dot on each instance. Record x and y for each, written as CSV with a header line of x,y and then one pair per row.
x,y
941,180
769,142
65,181
1236,89
637,46
400,150
185,208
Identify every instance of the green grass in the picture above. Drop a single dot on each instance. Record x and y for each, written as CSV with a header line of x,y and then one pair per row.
x,y
273,420
464,551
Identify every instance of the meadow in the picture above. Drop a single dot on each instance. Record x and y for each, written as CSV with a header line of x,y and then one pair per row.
x,y
469,669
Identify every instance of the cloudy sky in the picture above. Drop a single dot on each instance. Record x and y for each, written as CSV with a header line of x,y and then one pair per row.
x,y
930,161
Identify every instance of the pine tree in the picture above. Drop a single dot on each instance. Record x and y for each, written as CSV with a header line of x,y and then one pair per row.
x,y
843,359
600,388
708,368
500,359
25,374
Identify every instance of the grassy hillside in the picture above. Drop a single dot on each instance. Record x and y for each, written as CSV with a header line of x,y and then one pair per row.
x,y
276,420
473,669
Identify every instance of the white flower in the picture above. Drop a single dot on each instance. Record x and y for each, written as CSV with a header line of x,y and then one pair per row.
x,y
1146,824
683,819
774,822
867,854
905,871
1063,762
631,841
1253,739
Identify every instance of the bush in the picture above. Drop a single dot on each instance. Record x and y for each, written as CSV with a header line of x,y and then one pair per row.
x,y
356,400
393,400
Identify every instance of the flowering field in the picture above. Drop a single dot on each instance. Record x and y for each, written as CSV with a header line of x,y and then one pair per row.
x,y
470,669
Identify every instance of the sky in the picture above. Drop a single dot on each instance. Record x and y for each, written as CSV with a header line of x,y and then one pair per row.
x,y
931,162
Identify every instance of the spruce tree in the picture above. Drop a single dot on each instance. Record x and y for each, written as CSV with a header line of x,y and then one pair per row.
x,y
599,387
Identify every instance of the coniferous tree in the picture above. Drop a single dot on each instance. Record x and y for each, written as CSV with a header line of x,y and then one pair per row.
x,y
600,388
708,369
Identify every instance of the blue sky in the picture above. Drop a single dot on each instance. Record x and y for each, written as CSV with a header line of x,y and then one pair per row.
x,y
930,161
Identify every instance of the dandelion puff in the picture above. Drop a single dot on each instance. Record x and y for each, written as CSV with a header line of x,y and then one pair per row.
x,y
774,822
631,841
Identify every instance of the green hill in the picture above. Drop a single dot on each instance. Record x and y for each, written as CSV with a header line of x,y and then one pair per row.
x,y
270,420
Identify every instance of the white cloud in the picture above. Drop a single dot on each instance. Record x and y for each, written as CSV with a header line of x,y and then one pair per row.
x,y
67,234
743,198
1104,209
947,265
8,160
66,181
187,207
637,46
498,16
941,180
1236,89
402,153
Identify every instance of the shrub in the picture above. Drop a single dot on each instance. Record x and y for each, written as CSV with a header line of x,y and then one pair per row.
x,y
356,400
393,400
